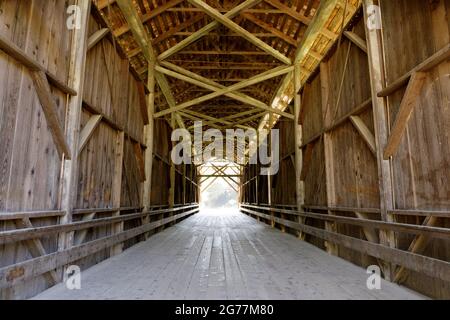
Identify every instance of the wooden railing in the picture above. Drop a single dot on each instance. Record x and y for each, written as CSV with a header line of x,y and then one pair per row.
x,y
412,261
23,271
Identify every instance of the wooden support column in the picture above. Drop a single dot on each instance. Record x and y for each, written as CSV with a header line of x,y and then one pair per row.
x,y
328,153
380,115
77,69
116,188
298,135
172,173
149,134
269,179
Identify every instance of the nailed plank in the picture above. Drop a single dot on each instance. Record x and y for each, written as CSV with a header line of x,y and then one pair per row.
x,y
404,114
50,111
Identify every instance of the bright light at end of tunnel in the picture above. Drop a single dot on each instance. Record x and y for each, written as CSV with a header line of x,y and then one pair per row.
x,y
220,195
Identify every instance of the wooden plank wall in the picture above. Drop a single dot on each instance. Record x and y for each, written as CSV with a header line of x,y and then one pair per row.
x,y
343,171
421,165
30,165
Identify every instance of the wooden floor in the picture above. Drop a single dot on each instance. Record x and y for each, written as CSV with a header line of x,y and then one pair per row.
x,y
225,256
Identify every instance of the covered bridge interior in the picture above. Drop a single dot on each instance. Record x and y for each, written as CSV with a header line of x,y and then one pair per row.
x,y
91,91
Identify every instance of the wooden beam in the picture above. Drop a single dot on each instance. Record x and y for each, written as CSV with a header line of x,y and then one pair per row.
x,y
36,250
149,141
238,29
325,80
219,92
207,29
143,103
365,133
211,85
88,131
380,115
431,62
138,152
76,79
9,216
177,28
280,34
357,40
418,245
51,113
96,38
422,264
9,276
116,187
289,11
143,40
148,16
307,161
404,114
25,59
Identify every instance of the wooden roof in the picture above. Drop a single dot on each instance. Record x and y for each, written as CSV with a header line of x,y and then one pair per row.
x,y
242,40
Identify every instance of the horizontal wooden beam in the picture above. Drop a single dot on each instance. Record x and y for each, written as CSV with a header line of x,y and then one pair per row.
x,y
25,59
13,275
433,61
357,110
9,216
429,266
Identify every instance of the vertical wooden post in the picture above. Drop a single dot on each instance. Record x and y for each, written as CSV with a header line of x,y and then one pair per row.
x,y
116,188
327,112
172,172
380,115
149,132
298,136
76,81
184,184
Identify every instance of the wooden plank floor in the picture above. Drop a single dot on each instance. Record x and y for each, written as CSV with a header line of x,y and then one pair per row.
x,y
225,256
